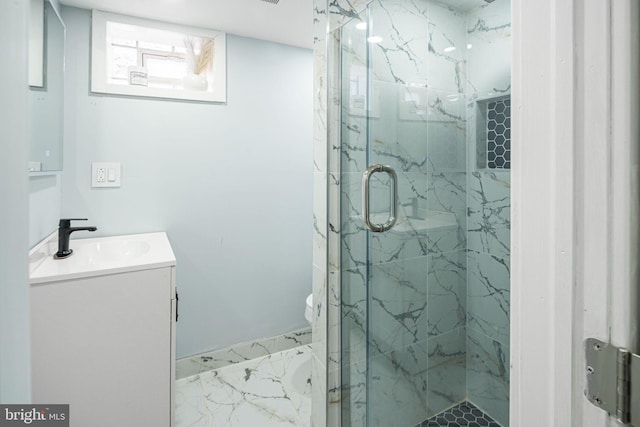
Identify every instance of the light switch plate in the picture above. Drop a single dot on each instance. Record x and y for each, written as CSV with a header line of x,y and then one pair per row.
x,y
105,174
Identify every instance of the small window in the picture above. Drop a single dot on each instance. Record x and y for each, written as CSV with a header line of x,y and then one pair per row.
x,y
133,56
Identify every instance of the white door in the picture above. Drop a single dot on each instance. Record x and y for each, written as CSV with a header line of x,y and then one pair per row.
x,y
574,200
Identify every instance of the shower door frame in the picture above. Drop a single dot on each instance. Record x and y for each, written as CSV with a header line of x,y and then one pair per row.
x,y
574,233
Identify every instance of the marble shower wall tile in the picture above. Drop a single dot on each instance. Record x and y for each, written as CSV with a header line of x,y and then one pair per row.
x,y
353,234
241,353
319,85
320,216
446,149
437,195
409,242
354,315
402,146
334,109
397,305
488,295
354,394
398,387
489,59
447,292
427,104
320,219
353,140
410,186
334,398
441,200
447,67
432,139
341,11
355,100
412,129
488,376
334,353
331,194
447,375
334,225
447,193
319,315
489,221
414,38
318,393
334,348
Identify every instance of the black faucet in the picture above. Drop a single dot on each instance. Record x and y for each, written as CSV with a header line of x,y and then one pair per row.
x,y
64,231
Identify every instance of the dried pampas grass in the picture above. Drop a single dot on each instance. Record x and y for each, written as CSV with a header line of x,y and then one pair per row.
x,y
201,61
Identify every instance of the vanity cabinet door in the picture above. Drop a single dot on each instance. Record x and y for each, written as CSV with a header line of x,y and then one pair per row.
x,y
104,345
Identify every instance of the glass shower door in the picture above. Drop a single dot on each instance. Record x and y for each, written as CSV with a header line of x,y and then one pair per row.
x,y
409,126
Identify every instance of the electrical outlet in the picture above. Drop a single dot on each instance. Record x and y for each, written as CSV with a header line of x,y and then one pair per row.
x,y
105,174
101,174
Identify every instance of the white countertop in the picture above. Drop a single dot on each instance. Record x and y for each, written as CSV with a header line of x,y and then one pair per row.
x,y
100,256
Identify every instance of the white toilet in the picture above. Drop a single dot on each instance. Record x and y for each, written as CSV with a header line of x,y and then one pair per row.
x,y
308,311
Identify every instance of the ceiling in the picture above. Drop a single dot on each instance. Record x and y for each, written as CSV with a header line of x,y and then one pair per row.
x,y
288,21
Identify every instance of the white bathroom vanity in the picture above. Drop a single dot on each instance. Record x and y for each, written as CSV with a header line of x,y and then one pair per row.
x,y
103,330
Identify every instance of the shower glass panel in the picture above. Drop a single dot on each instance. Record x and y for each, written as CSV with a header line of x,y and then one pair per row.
x,y
424,313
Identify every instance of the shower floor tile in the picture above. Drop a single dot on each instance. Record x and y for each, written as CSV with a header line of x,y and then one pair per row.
x,y
463,414
269,391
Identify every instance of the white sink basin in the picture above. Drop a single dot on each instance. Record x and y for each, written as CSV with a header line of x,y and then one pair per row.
x,y
99,256
99,252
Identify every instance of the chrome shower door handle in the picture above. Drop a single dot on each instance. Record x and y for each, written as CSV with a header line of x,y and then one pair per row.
x,y
379,228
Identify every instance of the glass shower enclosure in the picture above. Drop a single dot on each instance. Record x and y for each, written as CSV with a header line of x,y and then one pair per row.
x,y
420,167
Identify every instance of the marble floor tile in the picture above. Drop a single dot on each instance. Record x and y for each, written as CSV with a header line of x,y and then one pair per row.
x,y
270,391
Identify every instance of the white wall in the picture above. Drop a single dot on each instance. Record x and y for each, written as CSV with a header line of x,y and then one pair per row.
x,y
14,296
231,184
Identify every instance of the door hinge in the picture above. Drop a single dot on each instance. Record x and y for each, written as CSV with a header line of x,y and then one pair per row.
x,y
613,380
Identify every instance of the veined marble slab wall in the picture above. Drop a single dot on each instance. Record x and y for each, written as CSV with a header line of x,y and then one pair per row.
x,y
489,201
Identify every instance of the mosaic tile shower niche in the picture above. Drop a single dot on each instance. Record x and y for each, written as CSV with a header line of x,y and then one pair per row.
x,y
494,133
418,317
499,134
